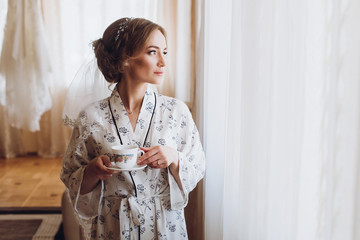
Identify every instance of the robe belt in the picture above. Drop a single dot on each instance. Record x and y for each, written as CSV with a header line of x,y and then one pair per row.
x,y
137,213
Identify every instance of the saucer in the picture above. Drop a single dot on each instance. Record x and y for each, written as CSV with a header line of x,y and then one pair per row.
x,y
127,169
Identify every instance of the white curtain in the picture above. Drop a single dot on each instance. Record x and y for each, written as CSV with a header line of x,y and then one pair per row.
x,y
10,138
281,119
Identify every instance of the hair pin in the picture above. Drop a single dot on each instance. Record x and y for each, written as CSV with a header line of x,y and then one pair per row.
x,y
122,26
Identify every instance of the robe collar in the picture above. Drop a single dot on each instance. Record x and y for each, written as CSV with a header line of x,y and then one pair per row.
x,y
127,135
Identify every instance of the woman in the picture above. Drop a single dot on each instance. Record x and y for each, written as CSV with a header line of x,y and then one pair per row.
x,y
147,203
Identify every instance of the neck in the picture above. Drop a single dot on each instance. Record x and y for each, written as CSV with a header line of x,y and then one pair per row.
x,y
131,95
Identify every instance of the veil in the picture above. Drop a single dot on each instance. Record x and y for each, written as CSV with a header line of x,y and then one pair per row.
x,y
88,86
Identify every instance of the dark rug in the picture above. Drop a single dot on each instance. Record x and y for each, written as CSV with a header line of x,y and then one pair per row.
x,y
18,229
24,223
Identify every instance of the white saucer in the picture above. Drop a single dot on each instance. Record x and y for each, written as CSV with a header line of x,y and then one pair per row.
x,y
127,169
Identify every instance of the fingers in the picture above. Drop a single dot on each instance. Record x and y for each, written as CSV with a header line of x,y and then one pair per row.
x,y
154,164
99,168
151,155
158,164
154,157
102,163
148,152
105,160
141,160
145,149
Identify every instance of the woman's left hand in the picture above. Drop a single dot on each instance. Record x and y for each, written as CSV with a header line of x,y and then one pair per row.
x,y
159,157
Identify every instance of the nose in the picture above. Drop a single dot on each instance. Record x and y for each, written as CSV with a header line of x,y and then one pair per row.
x,y
161,61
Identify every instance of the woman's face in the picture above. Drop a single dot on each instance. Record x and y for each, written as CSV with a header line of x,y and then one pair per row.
x,y
148,64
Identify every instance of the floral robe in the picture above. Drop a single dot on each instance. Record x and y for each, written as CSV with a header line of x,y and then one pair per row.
x,y
142,204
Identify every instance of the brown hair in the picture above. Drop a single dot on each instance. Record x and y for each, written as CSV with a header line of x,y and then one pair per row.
x,y
120,41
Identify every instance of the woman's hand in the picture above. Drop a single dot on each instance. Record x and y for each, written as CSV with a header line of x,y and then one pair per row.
x,y
94,172
98,167
159,157
162,157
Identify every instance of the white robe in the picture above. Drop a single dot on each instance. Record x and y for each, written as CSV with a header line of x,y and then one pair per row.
x,y
114,208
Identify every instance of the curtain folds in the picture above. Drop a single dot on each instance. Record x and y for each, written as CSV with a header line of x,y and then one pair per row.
x,y
283,144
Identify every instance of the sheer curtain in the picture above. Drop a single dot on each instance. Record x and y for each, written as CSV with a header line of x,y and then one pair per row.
x,y
281,119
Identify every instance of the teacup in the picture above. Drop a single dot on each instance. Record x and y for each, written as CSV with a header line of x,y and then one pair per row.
x,y
128,156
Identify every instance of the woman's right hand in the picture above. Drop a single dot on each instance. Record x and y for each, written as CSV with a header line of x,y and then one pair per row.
x,y
98,167
95,171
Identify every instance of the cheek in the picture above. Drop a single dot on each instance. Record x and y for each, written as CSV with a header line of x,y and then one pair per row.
x,y
139,63
143,64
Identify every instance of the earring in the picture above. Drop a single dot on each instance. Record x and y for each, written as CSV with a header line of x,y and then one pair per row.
x,y
126,64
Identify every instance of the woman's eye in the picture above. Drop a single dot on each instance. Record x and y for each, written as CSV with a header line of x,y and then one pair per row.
x,y
152,52
164,53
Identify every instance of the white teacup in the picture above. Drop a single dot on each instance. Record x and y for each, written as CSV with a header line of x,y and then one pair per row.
x,y
128,156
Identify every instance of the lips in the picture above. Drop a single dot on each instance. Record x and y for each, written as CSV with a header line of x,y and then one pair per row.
x,y
159,73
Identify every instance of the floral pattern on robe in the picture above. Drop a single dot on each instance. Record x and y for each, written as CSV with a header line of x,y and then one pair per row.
x,y
141,204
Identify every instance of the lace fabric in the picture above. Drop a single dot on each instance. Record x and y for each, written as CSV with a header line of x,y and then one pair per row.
x,y
88,86
25,66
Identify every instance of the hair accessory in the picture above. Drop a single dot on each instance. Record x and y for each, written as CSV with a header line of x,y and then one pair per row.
x,y
122,27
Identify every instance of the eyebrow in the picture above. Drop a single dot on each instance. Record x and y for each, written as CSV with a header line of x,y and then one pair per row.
x,y
155,47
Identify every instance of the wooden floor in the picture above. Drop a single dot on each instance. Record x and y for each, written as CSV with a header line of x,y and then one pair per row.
x,y
30,182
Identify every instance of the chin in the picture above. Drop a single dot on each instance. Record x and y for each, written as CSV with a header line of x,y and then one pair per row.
x,y
156,81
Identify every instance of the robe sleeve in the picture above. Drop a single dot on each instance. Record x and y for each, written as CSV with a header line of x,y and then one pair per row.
x,y
191,161
75,160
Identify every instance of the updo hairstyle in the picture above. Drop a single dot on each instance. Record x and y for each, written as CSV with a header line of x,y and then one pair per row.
x,y
120,41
